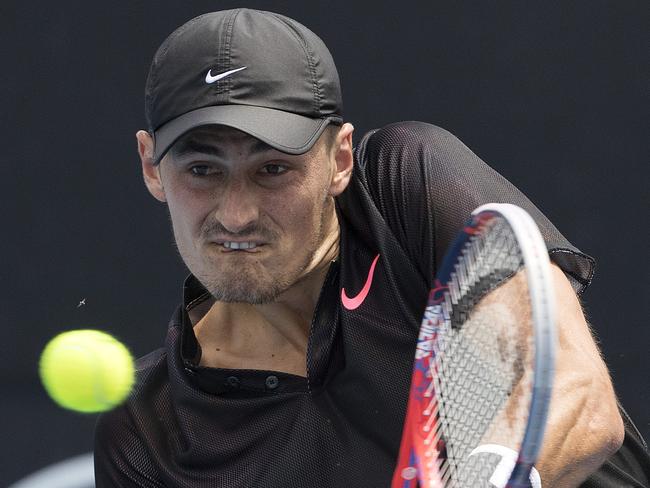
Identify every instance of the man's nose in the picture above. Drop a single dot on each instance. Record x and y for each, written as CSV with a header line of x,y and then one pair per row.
x,y
238,207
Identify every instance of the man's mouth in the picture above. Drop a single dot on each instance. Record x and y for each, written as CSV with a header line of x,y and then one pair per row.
x,y
239,245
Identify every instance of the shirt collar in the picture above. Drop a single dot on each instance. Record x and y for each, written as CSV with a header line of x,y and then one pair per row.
x,y
323,355
193,292
196,303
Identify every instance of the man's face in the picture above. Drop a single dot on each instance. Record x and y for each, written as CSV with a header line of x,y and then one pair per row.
x,y
247,219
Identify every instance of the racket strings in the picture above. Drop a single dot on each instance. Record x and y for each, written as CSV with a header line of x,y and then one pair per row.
x,y
478,368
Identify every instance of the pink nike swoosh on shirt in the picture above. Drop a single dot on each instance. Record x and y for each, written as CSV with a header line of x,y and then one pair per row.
x,y
355,302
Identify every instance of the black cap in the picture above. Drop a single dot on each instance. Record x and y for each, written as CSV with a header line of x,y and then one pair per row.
x,y
259,72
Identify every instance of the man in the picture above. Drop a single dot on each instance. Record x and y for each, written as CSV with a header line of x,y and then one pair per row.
x,y
288,362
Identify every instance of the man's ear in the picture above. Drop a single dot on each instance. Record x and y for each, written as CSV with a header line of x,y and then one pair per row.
x,y
344,160
150,172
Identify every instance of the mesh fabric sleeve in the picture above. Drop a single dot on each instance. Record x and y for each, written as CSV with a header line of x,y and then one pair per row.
x,y
120,455
122,450
425,183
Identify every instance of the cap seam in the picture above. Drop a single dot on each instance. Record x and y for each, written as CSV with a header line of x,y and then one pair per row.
x,y
227,87
316,95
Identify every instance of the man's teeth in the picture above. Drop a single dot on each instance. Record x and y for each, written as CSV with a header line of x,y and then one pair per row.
x,y
239,245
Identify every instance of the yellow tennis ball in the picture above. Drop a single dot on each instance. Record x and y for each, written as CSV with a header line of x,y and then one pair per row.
x,y
86,370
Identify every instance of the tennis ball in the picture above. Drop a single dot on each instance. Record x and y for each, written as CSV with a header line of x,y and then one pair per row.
x,y
86,370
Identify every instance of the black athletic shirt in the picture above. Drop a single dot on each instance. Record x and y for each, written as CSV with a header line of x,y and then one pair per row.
x,y
413,187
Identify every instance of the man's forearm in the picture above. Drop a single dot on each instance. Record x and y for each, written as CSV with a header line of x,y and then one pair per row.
x,y
584,426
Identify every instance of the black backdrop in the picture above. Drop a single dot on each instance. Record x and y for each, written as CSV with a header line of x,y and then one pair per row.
x,y
553,94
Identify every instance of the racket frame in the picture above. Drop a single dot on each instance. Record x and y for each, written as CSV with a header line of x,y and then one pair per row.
x,y
542,301
543,311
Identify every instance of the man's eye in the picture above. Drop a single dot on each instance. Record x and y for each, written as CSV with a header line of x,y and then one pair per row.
x,y
273,169
200,170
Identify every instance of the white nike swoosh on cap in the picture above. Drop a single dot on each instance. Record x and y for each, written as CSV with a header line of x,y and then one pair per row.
x,y
211,79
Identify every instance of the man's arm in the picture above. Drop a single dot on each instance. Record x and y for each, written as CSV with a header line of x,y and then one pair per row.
x,y
425,183
584,425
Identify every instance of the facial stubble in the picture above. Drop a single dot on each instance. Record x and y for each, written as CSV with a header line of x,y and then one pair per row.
x,y
254,283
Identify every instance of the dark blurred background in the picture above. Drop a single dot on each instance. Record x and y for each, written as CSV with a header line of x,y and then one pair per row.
x,y
554,95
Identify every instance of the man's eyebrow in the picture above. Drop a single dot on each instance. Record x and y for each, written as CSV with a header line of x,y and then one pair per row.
x,y
192,145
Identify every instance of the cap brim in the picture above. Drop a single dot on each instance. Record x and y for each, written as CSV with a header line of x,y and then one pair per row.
x,y
284,131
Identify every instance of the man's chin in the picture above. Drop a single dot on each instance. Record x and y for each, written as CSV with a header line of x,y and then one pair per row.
x,y
249,298
248,282
253,294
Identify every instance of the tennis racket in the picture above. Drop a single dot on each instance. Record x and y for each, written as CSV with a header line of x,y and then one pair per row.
x,y
484,360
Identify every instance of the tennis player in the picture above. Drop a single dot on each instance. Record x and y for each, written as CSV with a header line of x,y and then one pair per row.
x,y
288,361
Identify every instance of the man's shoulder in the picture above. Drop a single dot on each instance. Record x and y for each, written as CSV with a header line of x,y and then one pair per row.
x,y
122,435
151,361
148,368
